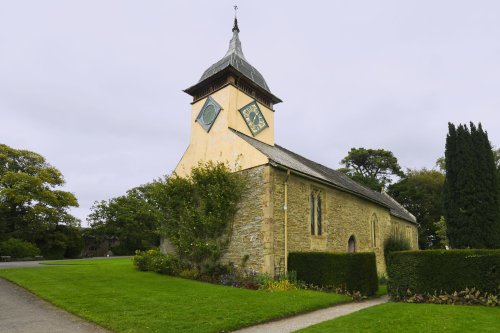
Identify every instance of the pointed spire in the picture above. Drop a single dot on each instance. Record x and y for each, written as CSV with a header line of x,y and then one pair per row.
x,y
235,27
234,43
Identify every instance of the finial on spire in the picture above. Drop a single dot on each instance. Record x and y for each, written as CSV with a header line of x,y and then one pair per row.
x,y
235,27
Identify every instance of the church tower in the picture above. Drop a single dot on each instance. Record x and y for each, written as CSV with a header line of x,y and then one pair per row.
x,y
230,97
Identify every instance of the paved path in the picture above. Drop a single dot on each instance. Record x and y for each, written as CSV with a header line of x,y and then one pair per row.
x,y
23,312
19,264
301,321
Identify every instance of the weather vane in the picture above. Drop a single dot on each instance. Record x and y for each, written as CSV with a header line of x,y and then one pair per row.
x,y
235,9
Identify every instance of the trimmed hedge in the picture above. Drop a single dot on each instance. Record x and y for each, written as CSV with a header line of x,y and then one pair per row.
x,y
349,271
441,271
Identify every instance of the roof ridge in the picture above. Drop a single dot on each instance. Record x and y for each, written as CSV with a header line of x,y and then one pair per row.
x,y
398,204
331,169
291,160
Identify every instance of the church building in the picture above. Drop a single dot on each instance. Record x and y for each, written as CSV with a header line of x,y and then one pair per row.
x,y
290,202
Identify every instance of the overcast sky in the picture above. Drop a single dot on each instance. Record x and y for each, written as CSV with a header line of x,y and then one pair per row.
x,y
96,86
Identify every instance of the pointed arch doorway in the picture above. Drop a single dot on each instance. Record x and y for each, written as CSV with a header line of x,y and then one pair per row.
x,y
351,244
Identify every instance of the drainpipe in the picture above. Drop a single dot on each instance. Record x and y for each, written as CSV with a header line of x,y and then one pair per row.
x,y
285,208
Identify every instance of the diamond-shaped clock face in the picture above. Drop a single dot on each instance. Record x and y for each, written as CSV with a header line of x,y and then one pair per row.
x,y
254,118
208,113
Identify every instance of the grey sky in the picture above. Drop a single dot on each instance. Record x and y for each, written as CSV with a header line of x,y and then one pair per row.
x,y
95,86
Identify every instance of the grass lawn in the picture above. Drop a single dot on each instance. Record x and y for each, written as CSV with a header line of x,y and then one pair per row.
x,y
404,317
114,294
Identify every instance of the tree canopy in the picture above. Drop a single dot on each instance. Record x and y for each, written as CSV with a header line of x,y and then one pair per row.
x,y
132,219
371,167
33,208
31,202
470,196
419,191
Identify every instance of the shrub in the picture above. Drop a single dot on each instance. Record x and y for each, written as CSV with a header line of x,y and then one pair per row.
x,y
199,210
348,271
437,272
17,248
464,297
278,285
166,264
143,260
155,261
395,243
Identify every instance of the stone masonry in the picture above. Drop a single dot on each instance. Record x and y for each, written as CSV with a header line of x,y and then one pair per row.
x,y
258,228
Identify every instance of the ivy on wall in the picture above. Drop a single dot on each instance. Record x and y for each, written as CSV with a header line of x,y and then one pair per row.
x,y
199,210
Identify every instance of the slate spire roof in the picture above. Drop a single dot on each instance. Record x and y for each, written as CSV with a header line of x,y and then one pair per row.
x,y
284,158
234,57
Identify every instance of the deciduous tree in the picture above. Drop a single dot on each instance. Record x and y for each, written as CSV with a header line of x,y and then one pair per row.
x,y
32,205
371,167
133,219
419,191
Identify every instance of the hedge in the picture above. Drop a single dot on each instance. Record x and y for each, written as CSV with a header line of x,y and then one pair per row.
x,y
17,248
350,271
441,271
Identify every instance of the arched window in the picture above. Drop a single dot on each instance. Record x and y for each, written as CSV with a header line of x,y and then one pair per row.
x,y
351,244
316,213
374,230
311,206
409,235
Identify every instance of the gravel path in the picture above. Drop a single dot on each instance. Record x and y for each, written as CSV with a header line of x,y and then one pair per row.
x,y
23,312
302,321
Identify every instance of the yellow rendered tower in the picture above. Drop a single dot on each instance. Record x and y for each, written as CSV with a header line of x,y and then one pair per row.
x,y
231,96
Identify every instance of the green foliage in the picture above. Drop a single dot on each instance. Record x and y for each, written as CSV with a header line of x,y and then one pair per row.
x,y
395,243
463,297
371,167
62,242
441,164
31,204
440,226
496,155
198,212
132,218
155,261
440,271
349,271
133,301
17,248
228,275
413,318
278,285
419,191
470,196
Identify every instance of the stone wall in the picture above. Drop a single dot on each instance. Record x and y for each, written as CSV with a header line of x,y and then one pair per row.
x,y
344,215
248,236
258,228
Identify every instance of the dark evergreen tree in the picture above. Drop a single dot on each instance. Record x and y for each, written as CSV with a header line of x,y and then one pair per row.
x,y
470,194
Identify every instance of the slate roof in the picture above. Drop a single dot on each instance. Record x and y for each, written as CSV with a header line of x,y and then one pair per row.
x,y
279,156
234,57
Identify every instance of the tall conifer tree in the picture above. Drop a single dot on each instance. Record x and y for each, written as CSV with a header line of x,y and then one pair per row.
x,y
470,194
